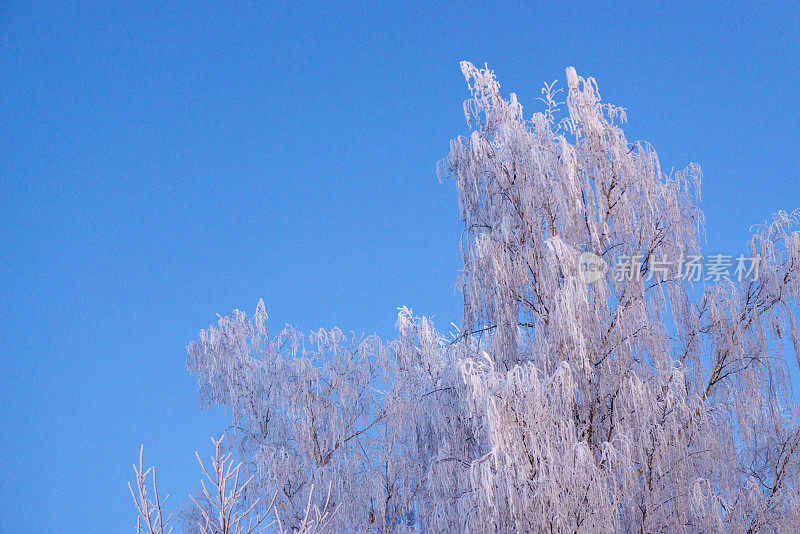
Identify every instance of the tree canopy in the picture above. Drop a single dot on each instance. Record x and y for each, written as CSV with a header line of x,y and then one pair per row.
x,y
627,399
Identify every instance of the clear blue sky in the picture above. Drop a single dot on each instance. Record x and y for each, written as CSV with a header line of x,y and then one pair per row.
x,y
162,164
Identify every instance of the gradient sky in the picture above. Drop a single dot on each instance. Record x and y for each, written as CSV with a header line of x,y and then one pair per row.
x,y
162,164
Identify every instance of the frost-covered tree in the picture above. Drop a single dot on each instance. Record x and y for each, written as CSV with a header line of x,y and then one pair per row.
x,y
633,400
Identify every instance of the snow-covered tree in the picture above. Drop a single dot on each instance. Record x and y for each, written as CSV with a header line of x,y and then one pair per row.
x,y
627,399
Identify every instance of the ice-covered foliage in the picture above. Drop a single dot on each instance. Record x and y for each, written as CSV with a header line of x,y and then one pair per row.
x,y
637,403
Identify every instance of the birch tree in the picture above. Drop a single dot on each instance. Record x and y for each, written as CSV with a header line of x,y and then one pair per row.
x,y
628,399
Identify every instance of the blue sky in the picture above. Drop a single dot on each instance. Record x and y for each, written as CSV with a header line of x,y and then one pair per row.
x,y
162,164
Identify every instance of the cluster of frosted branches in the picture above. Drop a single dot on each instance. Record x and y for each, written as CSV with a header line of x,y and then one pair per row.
x,y
624,404
314,412
222,506
151,518
223,511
